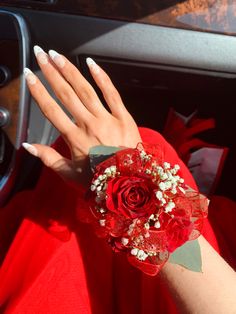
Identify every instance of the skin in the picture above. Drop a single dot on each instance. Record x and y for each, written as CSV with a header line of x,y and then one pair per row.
x,y
93,122
212,291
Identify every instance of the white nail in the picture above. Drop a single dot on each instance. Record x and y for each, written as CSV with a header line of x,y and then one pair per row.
x,y
27,71
90,61
53,54
30,148
57,58
92,65
37,50
29,76
40,54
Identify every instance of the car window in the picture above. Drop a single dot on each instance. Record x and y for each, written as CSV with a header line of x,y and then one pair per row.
x,y
205,15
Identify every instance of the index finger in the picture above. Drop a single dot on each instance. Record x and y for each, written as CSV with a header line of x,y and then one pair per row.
x,y
49,107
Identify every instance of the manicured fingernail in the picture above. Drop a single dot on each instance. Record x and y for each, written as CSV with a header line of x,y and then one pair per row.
x,y
41,55
92,65
30,148
57,58
29,76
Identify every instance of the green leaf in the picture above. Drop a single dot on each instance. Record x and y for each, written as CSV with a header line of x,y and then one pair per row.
x,y
188,255
98,154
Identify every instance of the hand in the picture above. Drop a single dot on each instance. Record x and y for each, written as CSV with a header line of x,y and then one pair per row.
x,y
93,125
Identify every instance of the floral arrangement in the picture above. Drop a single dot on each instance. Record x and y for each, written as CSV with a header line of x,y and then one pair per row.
x,y
141,204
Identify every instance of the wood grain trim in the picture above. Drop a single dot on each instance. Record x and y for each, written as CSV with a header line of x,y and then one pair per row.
x,y
10,93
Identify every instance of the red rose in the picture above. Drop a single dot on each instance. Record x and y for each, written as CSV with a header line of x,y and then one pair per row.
x,y
178,233
132,197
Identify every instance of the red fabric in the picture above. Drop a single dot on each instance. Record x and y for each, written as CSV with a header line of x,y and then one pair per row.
x,y
182,135
56,264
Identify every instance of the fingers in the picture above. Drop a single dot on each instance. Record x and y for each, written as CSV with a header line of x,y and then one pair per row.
x,y
95,125
62,88
82,88
108,90
49,107
76,85
68,170
52,159
49,156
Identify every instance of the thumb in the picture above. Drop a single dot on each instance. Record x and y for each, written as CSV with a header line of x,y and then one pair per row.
x,y
73,172
51,158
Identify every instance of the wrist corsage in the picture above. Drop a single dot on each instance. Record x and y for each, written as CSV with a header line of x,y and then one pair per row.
x,y
142,206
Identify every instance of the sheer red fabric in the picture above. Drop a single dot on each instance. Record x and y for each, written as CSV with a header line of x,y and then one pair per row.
x,y
53,263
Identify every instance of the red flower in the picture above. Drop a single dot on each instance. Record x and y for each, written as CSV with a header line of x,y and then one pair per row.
x,y
142,206
132,197
178,233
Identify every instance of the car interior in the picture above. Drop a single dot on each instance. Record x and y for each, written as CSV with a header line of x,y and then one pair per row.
x,y
178,54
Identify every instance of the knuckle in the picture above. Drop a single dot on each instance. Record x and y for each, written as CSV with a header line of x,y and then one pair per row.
x,y
87,93
113,96
110,90
64,94
106,81
38,92
49,110
72,73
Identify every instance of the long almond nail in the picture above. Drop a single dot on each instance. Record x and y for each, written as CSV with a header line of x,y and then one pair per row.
x,y
29,76
41,55
31,149
92,65
57,58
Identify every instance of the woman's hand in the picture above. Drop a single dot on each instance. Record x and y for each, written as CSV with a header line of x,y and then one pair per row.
x,y
93,124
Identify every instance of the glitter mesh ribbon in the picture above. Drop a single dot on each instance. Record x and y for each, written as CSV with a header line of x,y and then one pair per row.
x,y
141,205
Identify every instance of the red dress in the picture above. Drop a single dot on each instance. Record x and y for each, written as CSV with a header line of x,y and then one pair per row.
x,y
53,263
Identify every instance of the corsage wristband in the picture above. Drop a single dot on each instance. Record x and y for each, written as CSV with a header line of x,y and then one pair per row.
x,y
141,205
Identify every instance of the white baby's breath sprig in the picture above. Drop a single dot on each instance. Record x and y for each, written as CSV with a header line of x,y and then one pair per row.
x,y
157,224
144,156
99,185
139,254
159,195
153,220
124,241
182,190
169,207
102,222
166,165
